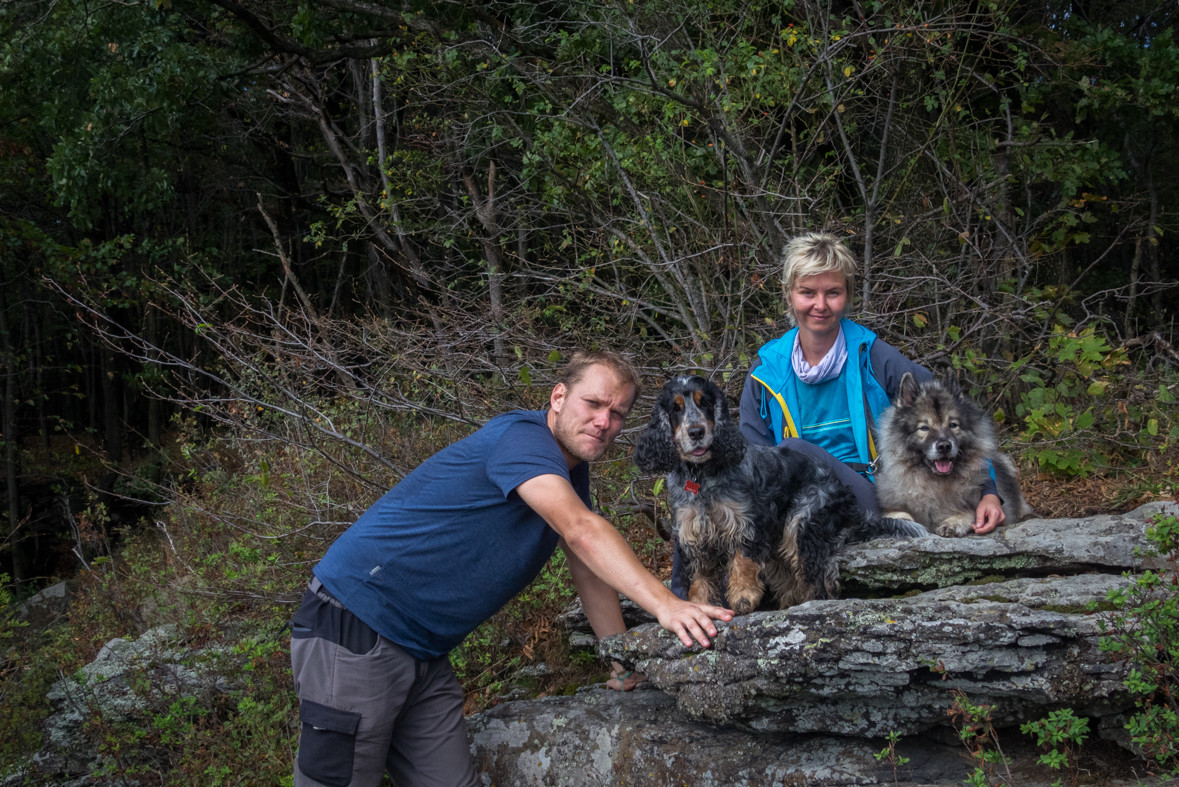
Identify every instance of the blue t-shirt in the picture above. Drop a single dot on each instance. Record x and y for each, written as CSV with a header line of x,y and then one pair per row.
x,y
453,542
828,417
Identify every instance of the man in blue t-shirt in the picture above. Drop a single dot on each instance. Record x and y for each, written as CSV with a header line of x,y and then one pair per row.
x,y
439,554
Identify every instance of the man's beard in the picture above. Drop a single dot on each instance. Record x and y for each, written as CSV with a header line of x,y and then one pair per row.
x,y
566,437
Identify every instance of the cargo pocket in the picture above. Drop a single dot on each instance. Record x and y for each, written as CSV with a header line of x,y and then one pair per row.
x,y
327,743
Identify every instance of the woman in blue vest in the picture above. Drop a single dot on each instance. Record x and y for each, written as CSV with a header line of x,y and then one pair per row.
x,y
821,388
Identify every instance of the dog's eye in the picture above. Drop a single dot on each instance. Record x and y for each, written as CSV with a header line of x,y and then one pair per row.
x,y
923,428
954,425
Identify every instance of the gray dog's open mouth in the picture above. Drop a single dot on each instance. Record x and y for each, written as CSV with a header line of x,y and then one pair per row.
x,y
943,466
699,451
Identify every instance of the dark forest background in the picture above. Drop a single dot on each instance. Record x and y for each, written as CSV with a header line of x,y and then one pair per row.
x,y
342,227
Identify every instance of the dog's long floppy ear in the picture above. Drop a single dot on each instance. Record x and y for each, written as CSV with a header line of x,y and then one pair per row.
x,y
656,452
950,382
908,391
728,444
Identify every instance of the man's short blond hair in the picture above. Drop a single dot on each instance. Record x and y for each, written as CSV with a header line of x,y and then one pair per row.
x,y
811,255
581,361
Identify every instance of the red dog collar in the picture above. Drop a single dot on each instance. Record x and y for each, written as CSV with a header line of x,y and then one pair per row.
x,y
692,487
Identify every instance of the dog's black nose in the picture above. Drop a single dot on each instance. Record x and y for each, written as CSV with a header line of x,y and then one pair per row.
x,y
696,432
943,447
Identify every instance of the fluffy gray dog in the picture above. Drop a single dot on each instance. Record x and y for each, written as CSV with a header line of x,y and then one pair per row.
x,y
934,447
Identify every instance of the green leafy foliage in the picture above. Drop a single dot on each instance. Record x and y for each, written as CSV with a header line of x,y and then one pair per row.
x,y
977,733
1060,734
1078,402
889,754
1144,633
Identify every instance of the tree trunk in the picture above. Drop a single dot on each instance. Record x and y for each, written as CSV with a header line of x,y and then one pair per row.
x,y
1152,255
1128,325
155,407
112,397
380,289
485,211
39,378
411,256
8,426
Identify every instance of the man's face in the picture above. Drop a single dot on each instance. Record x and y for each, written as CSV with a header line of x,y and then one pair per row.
x,y
587,418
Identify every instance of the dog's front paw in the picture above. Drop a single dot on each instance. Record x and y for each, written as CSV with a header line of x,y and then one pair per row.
x,y
701,591
746,600
745,588
957,525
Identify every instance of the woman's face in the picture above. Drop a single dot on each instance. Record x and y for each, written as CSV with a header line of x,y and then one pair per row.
x,y
819,301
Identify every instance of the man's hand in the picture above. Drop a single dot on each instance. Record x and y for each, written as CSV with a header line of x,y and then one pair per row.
x,y
610,562
989,514
690,621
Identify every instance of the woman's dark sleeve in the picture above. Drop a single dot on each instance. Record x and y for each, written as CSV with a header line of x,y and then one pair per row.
x,y
889,366
989,488
753,426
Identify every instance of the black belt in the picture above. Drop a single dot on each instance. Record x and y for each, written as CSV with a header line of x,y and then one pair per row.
x,y
318,589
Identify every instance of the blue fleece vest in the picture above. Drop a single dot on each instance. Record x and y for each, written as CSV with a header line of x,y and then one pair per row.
x,y
864,394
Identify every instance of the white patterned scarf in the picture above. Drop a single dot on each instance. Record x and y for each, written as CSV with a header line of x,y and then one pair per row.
x,y
826,369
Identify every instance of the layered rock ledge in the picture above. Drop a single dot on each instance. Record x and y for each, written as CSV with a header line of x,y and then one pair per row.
x,y
867,667
601,738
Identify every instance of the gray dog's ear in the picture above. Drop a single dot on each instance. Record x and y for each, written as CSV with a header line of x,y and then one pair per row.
x,y
907,393
950,381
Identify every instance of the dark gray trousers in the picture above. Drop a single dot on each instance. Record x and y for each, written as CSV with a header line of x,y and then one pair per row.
x,y
366,706
864,490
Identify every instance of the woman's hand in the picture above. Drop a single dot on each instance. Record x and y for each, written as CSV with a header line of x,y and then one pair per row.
x,y
989,514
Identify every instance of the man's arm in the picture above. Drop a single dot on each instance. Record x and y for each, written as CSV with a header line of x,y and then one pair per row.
x,y
602,608
608,557
598,599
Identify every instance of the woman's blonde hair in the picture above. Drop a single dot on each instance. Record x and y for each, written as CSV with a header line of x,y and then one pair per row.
x,y
811,255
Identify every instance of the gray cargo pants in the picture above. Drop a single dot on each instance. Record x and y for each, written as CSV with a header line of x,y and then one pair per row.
x,y
367,706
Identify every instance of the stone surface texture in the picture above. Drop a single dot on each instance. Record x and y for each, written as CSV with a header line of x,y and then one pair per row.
x,y
600,738
1109,544
162,669
865,667
806,695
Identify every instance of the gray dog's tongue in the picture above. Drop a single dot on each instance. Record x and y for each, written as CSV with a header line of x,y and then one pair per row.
x,y
943,465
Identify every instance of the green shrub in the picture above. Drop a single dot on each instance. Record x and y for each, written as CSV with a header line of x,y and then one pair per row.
x,y
1144,632
1061,734
1079,405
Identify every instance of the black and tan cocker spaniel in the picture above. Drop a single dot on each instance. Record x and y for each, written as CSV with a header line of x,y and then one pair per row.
x,y
748,518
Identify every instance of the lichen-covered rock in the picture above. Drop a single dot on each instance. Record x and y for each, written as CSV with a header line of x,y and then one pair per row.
x,y
581,634
161,669
867,667
1107,544
47,607
1010,620
600,738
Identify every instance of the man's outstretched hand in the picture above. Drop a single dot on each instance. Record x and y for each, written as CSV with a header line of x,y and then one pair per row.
x,y
690,621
